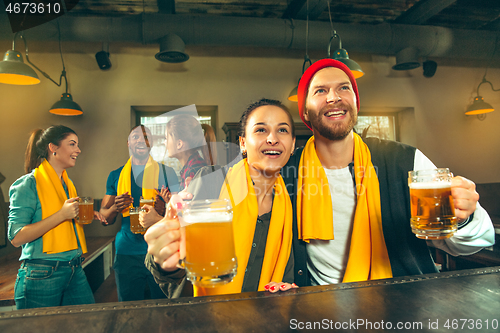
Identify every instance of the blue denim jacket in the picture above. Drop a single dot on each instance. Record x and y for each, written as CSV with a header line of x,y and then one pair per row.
x,y
25,208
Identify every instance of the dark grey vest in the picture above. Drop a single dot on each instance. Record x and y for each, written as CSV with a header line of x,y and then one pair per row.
x,y
392,160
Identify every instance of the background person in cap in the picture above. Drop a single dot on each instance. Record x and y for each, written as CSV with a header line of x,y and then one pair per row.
x,y
344,236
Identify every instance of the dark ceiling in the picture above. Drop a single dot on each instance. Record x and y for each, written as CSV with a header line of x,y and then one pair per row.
x,y
455,32
455,14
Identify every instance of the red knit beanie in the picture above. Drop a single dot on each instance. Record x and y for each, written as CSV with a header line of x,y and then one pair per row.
x,y
306,78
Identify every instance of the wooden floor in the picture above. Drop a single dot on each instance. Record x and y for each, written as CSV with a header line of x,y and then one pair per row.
x,y
106,293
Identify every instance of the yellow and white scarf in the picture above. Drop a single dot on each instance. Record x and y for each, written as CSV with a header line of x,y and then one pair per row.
x,y
52,196
368,258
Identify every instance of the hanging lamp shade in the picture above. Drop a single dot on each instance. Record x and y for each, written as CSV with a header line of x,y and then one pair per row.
x,y
13,70
66,107
342,56
479,106
172,49
293,95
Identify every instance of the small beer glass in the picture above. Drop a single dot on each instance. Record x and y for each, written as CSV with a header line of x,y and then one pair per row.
x,y
210,256
86,210
135,226
432,210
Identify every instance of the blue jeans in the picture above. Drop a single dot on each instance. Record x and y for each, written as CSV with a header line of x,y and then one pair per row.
x,y
42,286
132,277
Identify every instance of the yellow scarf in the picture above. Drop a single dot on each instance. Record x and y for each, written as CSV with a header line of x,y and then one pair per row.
x,y
245,214
368,258
52,196
149,181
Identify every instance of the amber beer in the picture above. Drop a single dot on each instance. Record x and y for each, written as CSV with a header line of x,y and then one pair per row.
x,y
432,209
135,226
210,257
86,210
143,202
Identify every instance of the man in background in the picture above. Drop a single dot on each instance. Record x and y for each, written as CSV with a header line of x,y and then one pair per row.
x,y
140,177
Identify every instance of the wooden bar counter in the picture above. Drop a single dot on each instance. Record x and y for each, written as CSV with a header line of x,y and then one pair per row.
x,y
459,301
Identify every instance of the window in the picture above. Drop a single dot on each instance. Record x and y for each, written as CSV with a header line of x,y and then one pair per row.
x,y
388,123
156,117
382,126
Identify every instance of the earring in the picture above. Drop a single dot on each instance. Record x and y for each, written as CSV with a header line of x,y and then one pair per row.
x,y
54,153
244,153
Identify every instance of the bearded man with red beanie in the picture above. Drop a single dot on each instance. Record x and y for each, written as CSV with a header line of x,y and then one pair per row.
x,y
351,197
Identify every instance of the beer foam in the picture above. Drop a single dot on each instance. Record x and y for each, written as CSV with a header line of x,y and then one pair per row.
x,y
204,217
429,185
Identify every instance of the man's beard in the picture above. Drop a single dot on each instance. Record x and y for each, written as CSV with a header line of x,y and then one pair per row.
x,y
333,132
140,156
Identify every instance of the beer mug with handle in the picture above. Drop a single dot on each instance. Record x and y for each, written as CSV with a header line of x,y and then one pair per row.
x,y
432,210
86,210
210,256
135,225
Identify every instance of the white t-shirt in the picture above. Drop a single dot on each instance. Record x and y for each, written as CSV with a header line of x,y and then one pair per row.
x,y
327,259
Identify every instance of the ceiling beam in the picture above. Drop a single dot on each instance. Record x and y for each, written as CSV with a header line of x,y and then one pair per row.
x,y
297,9
166,6
423,10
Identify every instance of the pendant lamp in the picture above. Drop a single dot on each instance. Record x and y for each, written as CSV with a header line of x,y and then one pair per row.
x,y
13,70
479,106
66,106
341,55
293,94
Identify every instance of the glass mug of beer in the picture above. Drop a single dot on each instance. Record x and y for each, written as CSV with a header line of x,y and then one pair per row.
x,y
210,256
135,226
145,201
432,209
86,210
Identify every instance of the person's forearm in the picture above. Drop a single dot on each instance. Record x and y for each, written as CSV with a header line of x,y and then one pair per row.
x,y
161,276
109,213
36,230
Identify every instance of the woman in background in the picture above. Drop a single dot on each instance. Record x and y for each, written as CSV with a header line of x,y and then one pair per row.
x,y
43,206
184,139
262,220
210,139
